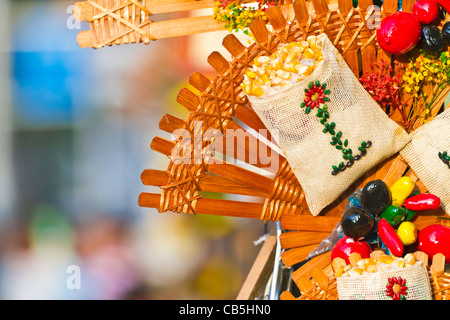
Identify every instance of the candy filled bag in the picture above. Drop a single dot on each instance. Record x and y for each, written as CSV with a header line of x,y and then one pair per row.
x,y
412,280
428,155
330,129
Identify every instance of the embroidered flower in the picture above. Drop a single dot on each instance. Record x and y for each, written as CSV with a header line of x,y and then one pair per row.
x,y
315,95
396,288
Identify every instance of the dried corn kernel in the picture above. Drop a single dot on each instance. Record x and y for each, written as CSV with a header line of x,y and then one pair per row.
x,y
259,61
308,54
250,74
384,258
257,91
282,68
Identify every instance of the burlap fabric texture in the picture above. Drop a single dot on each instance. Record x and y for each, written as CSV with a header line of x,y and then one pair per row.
x,y
373,286
422,155
308,149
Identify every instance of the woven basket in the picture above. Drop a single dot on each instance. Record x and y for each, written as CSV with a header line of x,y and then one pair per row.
x,y
221,105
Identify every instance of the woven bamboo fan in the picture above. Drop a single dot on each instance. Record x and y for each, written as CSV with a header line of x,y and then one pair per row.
x,y
222,105
129,21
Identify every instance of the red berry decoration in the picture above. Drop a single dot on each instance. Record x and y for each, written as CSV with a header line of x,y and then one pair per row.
x,y
426,11
399,33
346,246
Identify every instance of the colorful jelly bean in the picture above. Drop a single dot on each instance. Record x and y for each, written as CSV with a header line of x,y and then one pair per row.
x,y
390,238
423,201
401,189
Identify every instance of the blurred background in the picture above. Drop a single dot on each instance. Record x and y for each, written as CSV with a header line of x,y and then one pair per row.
x,y
75,132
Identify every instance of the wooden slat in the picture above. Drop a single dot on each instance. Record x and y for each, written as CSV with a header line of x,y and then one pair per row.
x,y
228,208
296,255
208,183
294,239
260,271
309,223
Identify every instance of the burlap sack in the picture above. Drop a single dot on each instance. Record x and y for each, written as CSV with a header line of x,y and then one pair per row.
x,y
307,148
373,286
422,155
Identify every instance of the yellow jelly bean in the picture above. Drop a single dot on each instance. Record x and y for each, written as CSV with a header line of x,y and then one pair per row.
x,y
401,189
407,232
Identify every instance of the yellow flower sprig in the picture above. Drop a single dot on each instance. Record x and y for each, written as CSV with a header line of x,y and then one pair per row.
x,y
237,16
426,70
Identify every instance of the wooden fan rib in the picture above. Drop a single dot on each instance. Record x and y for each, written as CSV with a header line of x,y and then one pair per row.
x,y
84,11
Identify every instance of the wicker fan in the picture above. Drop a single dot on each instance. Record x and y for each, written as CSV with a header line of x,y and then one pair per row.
x,y
221,105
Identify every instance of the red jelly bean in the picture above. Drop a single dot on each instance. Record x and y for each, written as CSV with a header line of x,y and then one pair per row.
x,y
390,238
423,201
346,246
426,11
399,33
435,239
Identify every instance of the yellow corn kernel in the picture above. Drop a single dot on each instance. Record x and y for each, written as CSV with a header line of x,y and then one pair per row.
x,y
401,264
304,45
257,91
292,55
259,61
308,71
311,40
258,82
276,80
410,259
372,268
277,64
247,88
289,67
265,79
356,271
340,272
250,74
285,75
308,54
384,258
318,54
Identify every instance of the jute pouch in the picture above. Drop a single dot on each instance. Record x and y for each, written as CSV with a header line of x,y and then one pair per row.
x,y
354,121
373,286
424,154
